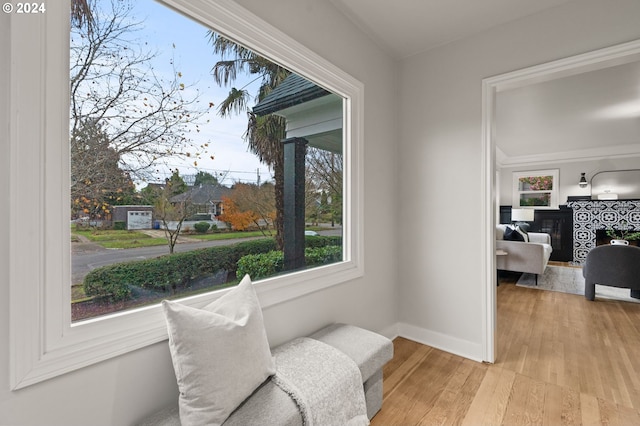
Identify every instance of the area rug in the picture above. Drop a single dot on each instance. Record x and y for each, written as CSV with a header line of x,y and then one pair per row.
x,y
569,280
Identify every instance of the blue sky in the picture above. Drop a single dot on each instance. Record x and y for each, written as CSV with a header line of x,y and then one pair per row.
x,y
173,35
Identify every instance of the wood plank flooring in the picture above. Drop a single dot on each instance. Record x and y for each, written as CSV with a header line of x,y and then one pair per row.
x,y
562,360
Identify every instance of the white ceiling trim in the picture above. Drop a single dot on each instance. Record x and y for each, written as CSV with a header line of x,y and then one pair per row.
x,y
620,151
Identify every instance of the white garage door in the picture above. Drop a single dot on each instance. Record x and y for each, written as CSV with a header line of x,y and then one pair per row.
x,y
139,220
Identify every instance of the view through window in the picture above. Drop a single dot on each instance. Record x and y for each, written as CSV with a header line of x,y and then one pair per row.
x,y
177,166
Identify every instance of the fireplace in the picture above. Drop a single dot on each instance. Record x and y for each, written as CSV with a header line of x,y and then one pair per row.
x,y
589,217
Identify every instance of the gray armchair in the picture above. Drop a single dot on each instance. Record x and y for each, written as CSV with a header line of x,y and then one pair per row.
x,y
612,265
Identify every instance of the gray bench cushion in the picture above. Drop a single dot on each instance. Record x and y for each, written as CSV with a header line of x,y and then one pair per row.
x,y
274,407
369,350
268,405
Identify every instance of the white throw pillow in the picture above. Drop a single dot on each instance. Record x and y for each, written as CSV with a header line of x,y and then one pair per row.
x,y
524,234
220,354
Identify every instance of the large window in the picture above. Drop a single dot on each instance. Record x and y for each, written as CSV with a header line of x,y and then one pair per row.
x,y
177,168
134,176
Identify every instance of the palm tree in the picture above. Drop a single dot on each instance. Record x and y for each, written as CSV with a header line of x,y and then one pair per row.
x,y
264,134
81,13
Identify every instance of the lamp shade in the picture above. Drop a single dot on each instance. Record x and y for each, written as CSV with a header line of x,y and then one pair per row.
x,y
583,181
522,215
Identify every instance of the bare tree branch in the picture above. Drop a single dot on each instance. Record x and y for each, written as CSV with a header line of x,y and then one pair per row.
x,y
149,116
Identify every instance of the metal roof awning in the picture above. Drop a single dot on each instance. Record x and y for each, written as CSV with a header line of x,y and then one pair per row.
x,y
311,112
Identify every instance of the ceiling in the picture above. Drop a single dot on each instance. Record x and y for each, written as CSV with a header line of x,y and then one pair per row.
x,y
407,27
588,115
591,113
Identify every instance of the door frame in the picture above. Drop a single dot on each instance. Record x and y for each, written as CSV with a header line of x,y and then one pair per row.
x,y
591,61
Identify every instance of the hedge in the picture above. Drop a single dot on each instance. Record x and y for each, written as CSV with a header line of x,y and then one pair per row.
x,y
119,225
261,265
272,263
178,270
322,241
169,272
201,227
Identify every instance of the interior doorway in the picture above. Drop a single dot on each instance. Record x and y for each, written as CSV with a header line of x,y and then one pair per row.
x,y
596,60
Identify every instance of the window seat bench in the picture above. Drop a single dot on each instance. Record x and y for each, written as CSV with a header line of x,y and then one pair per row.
x,y
269,404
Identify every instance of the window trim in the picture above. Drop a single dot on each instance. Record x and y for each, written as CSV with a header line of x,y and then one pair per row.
x,y
43,342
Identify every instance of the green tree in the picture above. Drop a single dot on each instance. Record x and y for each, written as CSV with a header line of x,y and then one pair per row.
x,y
170,212
204,178
176,184
97,181
264,134
150,193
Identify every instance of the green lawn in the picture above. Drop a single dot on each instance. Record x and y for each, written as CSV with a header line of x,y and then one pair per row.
x,y
120,239
99,235
126,244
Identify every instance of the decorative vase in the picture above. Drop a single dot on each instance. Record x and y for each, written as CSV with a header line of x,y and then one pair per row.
x,y
619,242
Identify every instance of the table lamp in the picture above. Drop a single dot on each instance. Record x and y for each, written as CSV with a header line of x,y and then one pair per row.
x,y
522,215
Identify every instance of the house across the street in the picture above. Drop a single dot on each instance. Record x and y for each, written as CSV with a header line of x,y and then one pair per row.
x,y
206,198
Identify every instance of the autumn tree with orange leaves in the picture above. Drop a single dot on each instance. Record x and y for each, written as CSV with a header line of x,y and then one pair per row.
x,y
239,220
250,205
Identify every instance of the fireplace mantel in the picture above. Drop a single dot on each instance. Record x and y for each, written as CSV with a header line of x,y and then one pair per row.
x,y
590,216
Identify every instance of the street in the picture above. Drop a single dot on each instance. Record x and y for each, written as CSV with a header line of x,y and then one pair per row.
x,y
88,256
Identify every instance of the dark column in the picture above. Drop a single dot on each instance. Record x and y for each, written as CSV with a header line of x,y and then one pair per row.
x,y
294,168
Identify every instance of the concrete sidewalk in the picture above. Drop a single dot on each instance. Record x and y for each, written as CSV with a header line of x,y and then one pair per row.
x,y
159,233
84,245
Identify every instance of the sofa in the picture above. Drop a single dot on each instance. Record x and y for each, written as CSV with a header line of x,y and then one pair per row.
x,y
530,256
612,265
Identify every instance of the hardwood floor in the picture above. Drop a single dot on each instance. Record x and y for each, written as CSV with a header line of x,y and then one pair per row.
x,y
562,360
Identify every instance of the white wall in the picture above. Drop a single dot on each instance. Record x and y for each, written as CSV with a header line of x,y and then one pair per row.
x,y
440,157
123,390
569,175
422,229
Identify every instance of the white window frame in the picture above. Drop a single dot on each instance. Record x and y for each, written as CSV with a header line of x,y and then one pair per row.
x,y
43,342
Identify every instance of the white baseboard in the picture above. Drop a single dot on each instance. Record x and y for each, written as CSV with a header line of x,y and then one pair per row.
x,y
390,332
463,348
